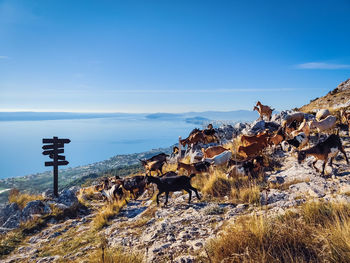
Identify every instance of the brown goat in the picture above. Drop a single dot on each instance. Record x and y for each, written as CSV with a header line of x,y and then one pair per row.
x,y
195,168
251,150
213,151
153,166
263,110
261,138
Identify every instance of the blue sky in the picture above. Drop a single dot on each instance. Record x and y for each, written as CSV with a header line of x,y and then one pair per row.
x,y
170,56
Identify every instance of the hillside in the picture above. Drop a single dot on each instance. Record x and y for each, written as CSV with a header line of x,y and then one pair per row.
x,y
335,99
280,211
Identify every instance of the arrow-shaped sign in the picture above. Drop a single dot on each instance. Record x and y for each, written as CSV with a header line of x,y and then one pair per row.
x,y
53,151
56,140
57,163
58,157
53,146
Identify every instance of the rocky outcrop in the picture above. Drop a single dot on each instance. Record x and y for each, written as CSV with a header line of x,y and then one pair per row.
x,y
11,215
35,208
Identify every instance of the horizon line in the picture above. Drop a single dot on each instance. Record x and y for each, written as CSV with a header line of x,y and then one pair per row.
x,y
109,112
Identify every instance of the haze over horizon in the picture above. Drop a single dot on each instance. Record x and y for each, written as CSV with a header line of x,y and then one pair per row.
x,y
169,56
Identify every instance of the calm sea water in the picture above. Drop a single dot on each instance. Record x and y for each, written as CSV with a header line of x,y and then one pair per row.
x,y
92,140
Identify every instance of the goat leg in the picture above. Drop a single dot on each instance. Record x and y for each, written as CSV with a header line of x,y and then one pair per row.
x,y
195,191
343,152
158,197
166,197
324,165
190,195
313,164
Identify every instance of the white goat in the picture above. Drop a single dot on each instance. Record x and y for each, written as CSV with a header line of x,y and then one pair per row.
x,y
219,159
323,125
322,114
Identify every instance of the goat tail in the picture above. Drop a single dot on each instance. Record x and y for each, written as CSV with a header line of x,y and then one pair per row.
x,y
192,175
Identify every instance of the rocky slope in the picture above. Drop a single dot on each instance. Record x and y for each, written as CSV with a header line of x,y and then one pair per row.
x,y
179,231
335,99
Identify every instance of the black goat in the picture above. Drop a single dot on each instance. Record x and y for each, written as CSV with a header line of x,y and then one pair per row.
x,y
299,141
135,185
172,184
324,150
161,157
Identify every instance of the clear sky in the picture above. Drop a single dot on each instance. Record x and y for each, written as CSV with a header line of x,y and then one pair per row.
x,y
170,56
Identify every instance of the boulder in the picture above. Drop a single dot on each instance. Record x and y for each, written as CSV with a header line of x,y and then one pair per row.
x,y
13,221
7,212
36,207
48,194
240,126
68,198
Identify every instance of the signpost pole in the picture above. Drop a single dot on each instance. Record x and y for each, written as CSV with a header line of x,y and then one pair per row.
x,y
53,150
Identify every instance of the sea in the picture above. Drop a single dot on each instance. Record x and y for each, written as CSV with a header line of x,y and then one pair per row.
x,y
92,140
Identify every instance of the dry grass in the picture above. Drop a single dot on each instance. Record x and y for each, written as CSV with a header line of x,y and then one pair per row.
x,y
168,167
249,195
106,213
22,199
116,255
285,186
320,232
239,189
13,239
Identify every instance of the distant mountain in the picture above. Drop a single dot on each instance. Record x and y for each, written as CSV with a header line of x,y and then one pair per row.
x,y
200,117
192,117
40,116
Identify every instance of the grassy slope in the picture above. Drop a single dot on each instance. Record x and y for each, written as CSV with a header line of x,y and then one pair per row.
x,y
330,100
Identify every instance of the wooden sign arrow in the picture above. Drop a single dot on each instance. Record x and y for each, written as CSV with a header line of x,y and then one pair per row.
x,y
53,146
59,157
53,152
57,163
56,140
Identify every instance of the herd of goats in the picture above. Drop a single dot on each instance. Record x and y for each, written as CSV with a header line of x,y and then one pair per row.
x,y
205,150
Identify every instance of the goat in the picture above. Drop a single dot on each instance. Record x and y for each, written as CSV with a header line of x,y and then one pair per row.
x,y
263,110
299,141
212,151
304,127
344,116
298,116
114,193
277,138
323,151
261,138
219,159
323,125
195,138
135,185
251,150
152,166
322,114
161,157
293,126
250,167
172,184
195,168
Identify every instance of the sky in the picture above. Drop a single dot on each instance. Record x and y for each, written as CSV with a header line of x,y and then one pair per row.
x,y
170,56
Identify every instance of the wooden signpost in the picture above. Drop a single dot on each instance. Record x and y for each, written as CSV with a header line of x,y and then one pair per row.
x,y
53,149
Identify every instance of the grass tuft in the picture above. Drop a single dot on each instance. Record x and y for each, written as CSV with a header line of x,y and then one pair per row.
x,y
106,214
22,199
